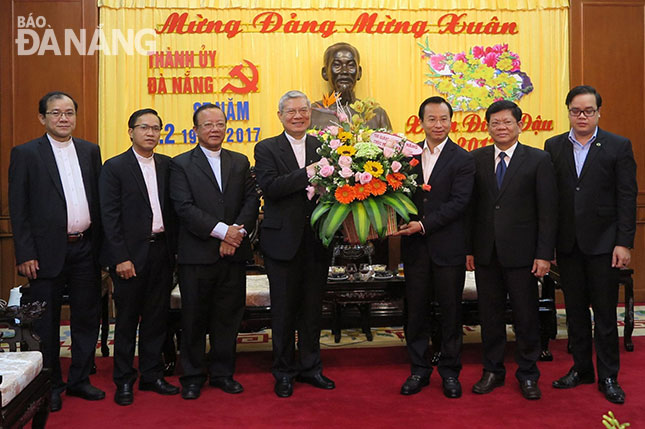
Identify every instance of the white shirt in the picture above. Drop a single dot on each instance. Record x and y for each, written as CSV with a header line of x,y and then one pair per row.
x,y
429,158
299,149
149,172
509,154
69,170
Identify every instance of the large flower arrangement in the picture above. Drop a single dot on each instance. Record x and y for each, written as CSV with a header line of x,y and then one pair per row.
x,y
473,80
362,173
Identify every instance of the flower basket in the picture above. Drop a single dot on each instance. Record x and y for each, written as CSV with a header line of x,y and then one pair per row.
x,y
351,236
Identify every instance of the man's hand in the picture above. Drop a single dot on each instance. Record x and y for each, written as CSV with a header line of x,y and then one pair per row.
x,y
125,270
226,249
540,267
29,269
409,228
470,263
311,169
234,235
621,257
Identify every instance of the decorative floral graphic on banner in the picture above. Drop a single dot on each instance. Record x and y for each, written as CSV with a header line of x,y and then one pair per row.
x,y
473,80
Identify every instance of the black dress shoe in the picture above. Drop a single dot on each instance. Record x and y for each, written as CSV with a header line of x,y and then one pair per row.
x,y
56,402
124,394
414,384
488,382
530,389
318,380
573,379
86,391
612,390
227,384
283,387
160,386
451,387
191,391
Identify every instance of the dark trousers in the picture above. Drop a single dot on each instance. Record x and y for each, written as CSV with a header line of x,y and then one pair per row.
x,y
426,281
494,282
212,302
142,301
297,287
590,280
82,276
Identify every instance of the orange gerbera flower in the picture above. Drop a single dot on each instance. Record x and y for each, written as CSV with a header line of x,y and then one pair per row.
x,y
414,162
393,181
345,194
378,187
362,191
399,176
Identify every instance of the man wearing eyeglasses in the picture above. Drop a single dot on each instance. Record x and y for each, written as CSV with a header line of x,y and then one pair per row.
x,y
513,227
54,209
139,247
215,198
597,185
295,258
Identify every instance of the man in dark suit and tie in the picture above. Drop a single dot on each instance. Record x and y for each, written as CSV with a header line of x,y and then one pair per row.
x,y
513,227
215,198
295,258
54,208
139,248
433,249
597,187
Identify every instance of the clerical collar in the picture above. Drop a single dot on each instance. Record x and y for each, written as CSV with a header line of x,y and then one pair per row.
x,y
60,145
211,153
143,158
294,140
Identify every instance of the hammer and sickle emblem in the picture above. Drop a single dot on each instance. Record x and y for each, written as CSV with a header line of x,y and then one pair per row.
x,y
249,84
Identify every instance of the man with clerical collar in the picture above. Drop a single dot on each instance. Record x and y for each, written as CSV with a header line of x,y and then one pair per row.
x,y
295,259
597,191
217,204
433,249
55,218
139,247
513,227
342,69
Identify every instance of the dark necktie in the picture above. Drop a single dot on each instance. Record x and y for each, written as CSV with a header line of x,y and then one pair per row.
x,y
501,169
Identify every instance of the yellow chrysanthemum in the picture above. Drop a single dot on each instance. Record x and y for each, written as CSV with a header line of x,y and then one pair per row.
x,y
346,150
375,168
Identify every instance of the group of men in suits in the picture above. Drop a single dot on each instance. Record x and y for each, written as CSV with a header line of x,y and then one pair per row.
x,y
500,210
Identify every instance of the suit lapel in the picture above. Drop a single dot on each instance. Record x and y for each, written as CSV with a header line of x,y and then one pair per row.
x,y
47,154
135,169
567,148
311,145
418,169
202,163
443,160
489,168
594,150
513,167
225,167
288,156
160,169
85,164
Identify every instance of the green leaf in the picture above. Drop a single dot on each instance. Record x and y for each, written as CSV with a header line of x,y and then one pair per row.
x,y
407,202
397,205
319,211
361,221
335,218
378,215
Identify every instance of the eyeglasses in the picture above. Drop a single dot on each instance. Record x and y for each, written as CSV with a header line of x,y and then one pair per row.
x,y
292,112
56,114
207,126
588,112
505,124
146,127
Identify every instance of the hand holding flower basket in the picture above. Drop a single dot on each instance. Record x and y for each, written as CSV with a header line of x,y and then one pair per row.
x,y
362,178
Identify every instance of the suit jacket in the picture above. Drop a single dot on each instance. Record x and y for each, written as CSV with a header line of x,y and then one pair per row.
x,y
126,211
598,209
37,203
519,220
442,210
286,207
200,204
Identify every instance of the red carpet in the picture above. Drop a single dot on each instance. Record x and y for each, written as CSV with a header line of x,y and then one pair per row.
x,y
367,394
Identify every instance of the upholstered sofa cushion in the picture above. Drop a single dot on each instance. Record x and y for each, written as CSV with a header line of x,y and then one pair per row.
x,y
18,369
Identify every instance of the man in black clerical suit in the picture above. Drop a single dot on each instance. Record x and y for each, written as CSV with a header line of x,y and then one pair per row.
x,y
139,247
54,208
597,187
514,220
215,198
295,258
433,249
